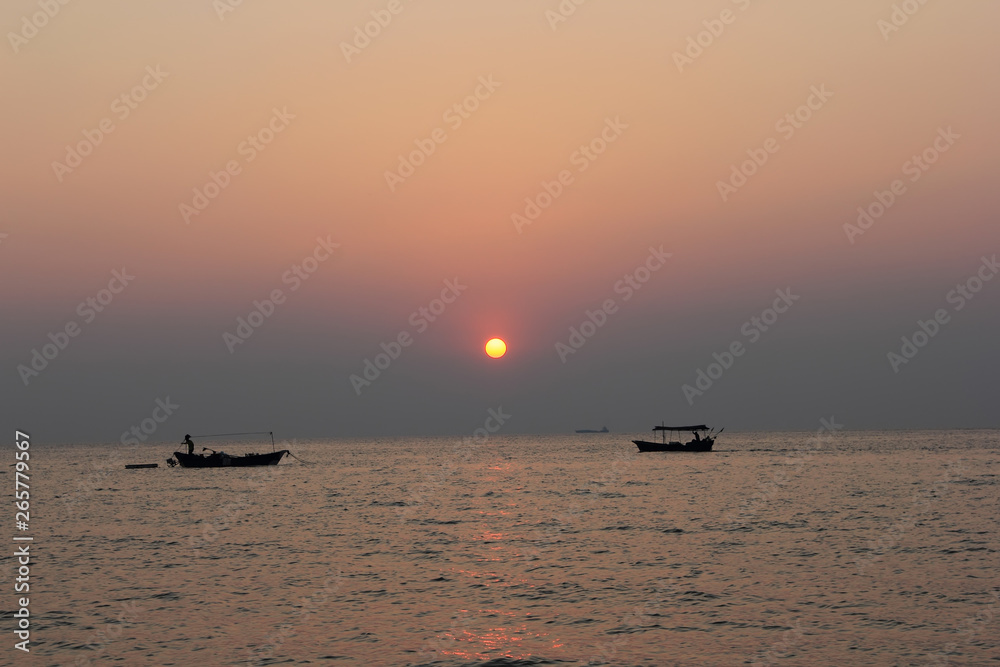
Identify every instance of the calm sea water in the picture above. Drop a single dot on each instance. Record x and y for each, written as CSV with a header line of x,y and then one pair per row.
x,y
856,548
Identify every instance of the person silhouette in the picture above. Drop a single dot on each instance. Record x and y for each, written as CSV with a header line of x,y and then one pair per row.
x,y
190,443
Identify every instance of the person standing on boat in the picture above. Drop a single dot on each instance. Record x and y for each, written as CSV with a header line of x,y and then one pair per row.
x,y
190,443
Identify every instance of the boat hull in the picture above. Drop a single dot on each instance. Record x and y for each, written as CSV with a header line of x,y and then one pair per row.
x,y
219,460
693,446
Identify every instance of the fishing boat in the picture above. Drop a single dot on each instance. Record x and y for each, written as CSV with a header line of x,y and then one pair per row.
x,y
223,460
701,441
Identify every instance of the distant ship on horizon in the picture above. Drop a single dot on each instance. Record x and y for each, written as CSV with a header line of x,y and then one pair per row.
x,y
590,430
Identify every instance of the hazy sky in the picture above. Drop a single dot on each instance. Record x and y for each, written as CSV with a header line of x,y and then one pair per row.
x,y
693,165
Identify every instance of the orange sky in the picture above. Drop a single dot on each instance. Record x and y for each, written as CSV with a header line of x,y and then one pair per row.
x,y
324,174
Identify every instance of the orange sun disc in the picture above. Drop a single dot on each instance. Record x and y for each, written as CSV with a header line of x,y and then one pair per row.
x,y
496,348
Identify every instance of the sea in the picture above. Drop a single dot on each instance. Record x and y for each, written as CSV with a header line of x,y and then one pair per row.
x,y
828,547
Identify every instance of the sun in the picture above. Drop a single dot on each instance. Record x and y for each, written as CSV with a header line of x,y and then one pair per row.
x,y
496,348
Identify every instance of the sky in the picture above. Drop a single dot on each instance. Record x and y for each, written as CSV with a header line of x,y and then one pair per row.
x,y
747,214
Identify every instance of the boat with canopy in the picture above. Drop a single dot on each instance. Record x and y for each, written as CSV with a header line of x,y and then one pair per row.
x,y
702,439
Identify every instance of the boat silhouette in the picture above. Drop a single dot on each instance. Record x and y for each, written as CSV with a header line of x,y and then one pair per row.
x,y
224,460
698,442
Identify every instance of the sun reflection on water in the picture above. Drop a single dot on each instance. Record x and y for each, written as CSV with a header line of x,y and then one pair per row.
x,y
474,636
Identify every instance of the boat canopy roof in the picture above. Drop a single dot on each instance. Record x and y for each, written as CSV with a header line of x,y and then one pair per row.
x,y
699,427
